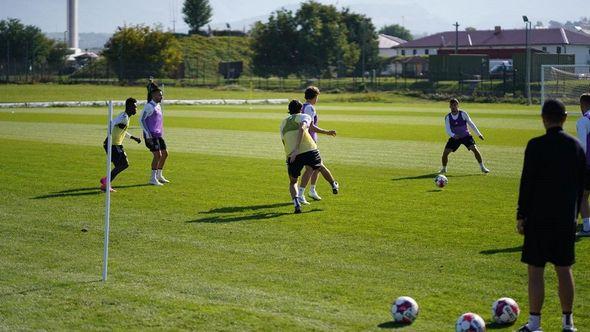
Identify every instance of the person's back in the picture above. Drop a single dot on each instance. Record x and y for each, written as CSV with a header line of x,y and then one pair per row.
x,y
556,183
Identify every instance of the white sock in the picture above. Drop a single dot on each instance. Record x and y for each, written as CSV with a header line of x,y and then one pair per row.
x,y
534,322
586,226
312,188
301,191
444,168
154,174
567,320
482,165
296,202
158,172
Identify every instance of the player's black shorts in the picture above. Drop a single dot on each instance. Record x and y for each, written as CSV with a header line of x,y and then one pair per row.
x,y
454,144
309,158
155,144
555,246
587,179
118,155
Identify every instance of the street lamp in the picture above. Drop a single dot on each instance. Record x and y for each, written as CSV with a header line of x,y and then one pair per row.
x,y
228,39
527,27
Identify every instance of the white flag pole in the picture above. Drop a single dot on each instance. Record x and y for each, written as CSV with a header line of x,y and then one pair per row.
x,y
107,213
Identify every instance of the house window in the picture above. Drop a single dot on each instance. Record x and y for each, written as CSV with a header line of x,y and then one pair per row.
x,y
403,52
558,49
544,49
426,51
414,52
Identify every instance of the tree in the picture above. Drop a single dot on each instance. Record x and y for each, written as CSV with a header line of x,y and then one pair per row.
x,y
396,30
470,29
362,35
140,51
26,49
197,13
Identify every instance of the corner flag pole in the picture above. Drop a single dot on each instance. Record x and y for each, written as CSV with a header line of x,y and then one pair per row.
x,y
107,210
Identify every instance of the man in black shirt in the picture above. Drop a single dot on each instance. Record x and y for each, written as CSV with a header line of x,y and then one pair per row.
x,y
551,189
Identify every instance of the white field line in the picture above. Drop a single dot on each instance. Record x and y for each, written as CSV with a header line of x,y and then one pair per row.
x,y
504,161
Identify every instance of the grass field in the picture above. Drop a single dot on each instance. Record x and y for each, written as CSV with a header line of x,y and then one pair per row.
x,y
219,247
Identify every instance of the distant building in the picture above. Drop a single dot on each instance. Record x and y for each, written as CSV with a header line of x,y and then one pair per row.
x,y
502,44
387,44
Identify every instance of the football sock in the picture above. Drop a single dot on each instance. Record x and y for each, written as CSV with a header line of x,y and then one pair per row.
x,y
443,169
312,188
567,319
296,202
534,321
301,191
154,173
586,226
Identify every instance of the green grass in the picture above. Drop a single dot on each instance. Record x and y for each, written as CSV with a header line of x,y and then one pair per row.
x,y
219,247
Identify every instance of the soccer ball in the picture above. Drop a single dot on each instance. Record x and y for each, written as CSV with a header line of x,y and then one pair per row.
x,y
440,180
470,322
404,309
505,311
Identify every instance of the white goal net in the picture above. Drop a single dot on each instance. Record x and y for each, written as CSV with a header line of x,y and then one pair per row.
x,y
564,82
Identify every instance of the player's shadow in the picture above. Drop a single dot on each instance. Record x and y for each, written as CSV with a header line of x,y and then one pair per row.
x,y
256,216
501,251
430,176
232,209
496,326
393,325
84,191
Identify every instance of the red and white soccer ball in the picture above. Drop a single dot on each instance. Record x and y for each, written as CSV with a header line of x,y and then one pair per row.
x,y
441,181
404,309
470,322
505,311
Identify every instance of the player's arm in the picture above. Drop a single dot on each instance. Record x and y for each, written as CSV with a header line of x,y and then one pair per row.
x,y
472,125
526,191
317,129
147,111
302,128
448,127
583,128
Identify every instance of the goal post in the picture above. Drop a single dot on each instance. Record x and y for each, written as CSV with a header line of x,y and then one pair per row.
x,y
107,209
564,82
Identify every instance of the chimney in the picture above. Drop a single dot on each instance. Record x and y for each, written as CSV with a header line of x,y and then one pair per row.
x,y
497,30
73,24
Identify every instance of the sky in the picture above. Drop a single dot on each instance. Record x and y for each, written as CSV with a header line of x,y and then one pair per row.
x,y
420,17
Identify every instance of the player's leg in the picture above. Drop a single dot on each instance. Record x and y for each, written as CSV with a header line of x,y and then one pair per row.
x,y
164,156
157,155
312,188
566,295
473,148
294,170
328,176
120,161
303,183
585,206
536,297
445,160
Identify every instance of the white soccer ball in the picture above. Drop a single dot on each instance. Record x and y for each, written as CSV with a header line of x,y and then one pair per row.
x,y
441,181
505,311
470,322
404,309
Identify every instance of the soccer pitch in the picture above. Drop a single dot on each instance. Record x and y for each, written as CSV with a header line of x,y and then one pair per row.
x,y
219,247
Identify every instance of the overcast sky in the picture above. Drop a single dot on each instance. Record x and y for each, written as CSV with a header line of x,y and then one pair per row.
x,y
425,16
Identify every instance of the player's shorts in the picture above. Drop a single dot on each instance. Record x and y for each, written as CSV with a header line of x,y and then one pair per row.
x,y
309,158
155,144
454,144
554,246
587,179
118,155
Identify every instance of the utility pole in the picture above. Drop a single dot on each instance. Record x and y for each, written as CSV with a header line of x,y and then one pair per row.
x,y
456,37
527,28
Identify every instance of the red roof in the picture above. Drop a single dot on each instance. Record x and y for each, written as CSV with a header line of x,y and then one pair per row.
x,y
488,38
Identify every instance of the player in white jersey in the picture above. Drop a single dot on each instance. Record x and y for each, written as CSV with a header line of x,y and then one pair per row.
x,y
118,133
311,98
583,129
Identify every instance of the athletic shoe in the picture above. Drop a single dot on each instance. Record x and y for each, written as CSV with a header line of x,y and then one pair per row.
x,y
583,233
155,182
105,189
569,329
302,200
335,187
161,179
525,328
443,171
314,195
484,169
297,209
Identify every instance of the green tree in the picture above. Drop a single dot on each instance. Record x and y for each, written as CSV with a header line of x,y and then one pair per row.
x,y
396,30
197,13
275,45
362,34
140,51
26,49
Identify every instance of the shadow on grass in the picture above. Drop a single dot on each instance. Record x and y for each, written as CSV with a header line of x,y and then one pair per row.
x,y
393,325
84,191
256,216
231,209
46,288
501,251
496,326
431,176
